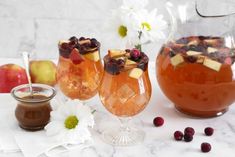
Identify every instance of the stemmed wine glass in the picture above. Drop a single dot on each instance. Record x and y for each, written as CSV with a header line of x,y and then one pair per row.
x,y
79,69
125,90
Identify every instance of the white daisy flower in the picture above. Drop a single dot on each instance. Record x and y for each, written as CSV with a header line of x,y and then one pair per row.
x,y
150,25
122,26
70,122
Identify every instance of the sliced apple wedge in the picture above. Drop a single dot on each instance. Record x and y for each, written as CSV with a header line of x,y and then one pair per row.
x,y
212,64
136,73
193,53
130,62
193,42
176,60
94,56
63,41
116,53
200,59
211,50
84,41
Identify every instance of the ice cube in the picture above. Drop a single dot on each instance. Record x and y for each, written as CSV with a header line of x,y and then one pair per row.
x,y
124,93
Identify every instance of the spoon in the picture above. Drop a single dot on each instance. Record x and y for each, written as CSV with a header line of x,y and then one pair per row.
x,y
25,56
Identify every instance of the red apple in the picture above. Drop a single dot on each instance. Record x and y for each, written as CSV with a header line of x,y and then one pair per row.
x,y
11,75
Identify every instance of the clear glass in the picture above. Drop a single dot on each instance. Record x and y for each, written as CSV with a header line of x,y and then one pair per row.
x,y
195,67
124,96
33,111
79,80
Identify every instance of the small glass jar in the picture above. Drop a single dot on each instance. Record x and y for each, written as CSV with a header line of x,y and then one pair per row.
x,y
33,111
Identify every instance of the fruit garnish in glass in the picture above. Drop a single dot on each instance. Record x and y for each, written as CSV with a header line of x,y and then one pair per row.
x,y
79,69
125,91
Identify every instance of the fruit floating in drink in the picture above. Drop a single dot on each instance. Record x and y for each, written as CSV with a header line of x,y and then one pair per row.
x,y
197,74
79,69
125,89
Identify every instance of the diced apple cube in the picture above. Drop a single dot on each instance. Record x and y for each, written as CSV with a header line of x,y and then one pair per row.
x,y
212,64
136,73
211,50
200,59
94,56
116,53
193,53
176,60
130,62
63,41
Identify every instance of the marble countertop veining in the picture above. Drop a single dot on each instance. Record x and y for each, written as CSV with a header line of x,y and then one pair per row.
x,y
159,141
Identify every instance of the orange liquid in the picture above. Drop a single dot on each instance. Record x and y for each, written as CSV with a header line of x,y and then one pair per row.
x,y
125,96
196,89
79,81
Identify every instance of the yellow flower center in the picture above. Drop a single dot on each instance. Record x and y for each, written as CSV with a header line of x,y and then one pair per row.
x,y
71,122
146,25
122,31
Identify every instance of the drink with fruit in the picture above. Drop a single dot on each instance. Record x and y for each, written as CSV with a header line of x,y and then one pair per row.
x,y
197,74
79,69
125,90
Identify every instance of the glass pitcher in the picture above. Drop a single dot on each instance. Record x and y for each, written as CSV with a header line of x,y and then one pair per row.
x,y
195,67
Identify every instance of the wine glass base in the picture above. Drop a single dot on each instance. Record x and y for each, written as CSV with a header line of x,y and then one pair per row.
x,y
117,137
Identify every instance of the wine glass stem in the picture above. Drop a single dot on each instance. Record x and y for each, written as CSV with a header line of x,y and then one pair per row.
x,y
124,124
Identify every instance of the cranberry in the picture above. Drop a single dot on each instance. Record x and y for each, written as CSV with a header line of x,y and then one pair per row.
x,y
73,38
209,131
178,135
191,59
171,54
189,130
188,137
135,54
81,38
205,147
158,121
120,62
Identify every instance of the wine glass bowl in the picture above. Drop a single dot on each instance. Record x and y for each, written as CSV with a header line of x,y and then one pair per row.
x,y
79,68
125,91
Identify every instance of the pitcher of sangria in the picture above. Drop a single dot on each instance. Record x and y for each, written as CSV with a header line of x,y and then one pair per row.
x,y
195,67
79,68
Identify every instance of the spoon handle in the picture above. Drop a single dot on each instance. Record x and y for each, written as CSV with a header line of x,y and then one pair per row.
x,y
25,56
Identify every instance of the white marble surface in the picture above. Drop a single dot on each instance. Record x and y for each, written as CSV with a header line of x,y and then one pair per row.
x,y
159,141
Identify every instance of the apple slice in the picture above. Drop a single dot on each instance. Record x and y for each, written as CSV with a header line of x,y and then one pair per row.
x,y
212,64
176,60
193,53
116,53
76,57
200,59
211,50
84,41
193,42
136,73
63,41
94,56
130,62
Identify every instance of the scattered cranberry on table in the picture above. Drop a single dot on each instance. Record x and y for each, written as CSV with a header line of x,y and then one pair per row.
x,y
178,135
205,147
189,130
208,131
158,121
